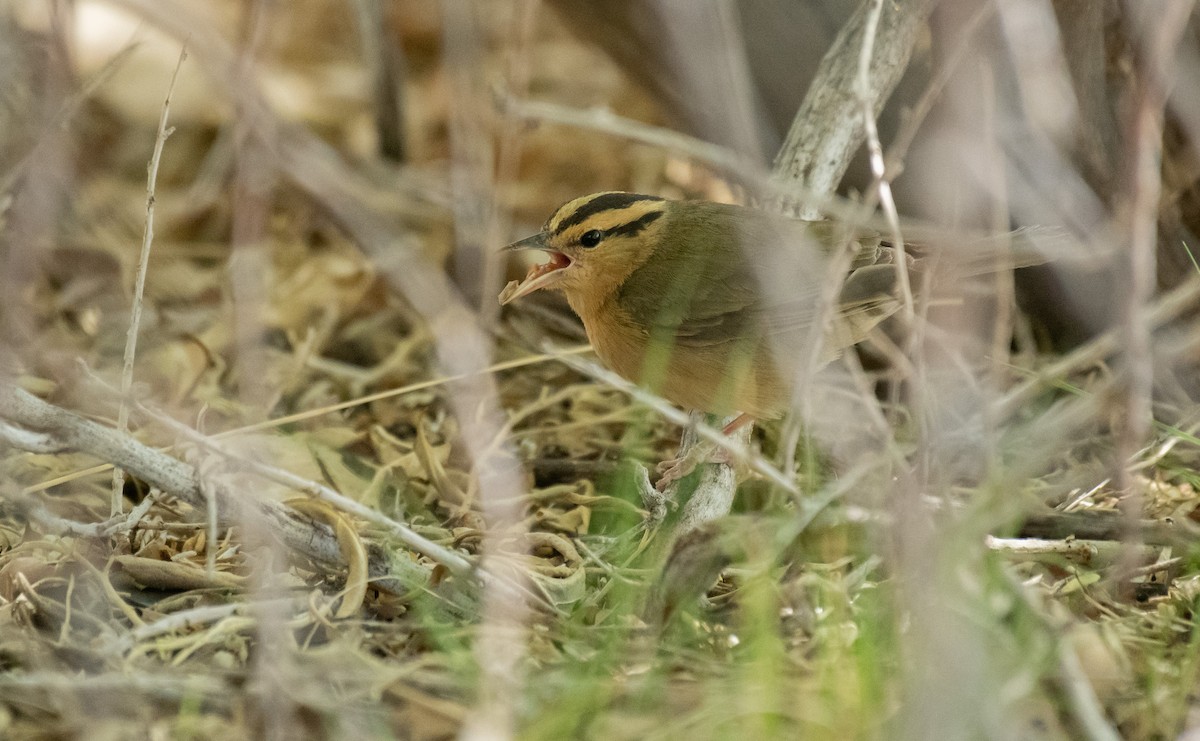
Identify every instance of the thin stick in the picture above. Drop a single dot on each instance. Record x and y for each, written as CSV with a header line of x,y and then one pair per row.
x,y
509,145
605,121
69,431
313,413
749,173
402,532
1160,312
1163,28
740,452
139,286
867,98
822,139
898,150
193,618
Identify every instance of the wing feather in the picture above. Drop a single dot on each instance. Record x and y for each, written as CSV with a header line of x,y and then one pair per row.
x,y
719,293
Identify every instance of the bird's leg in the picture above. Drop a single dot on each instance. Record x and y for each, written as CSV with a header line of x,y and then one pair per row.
x,y
736,424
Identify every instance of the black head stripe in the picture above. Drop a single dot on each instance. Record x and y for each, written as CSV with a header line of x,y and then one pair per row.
x,y
603,202
633,227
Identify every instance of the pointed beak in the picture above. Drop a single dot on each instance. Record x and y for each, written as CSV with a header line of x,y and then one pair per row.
x,y
539,276
535,242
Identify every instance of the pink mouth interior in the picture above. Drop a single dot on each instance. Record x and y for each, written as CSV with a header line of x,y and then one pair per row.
x,y
557,261
535,278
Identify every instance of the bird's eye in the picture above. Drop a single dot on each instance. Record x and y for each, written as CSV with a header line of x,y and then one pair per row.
x,y
592,238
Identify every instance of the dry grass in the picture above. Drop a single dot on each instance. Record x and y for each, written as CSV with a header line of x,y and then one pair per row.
x,y
403,516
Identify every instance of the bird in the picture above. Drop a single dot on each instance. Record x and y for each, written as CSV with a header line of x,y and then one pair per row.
x,y
711,305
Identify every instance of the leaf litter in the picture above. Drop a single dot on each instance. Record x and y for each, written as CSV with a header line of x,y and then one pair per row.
x,y
162,622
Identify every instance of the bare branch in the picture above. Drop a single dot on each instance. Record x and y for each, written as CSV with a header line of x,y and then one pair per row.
x,y
828,128
312,539
1161,30
883,184
139,287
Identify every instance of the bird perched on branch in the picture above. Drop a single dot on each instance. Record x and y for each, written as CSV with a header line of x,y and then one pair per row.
x,y
713,306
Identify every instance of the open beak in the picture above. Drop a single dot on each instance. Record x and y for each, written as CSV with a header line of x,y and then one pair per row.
x,y
539,276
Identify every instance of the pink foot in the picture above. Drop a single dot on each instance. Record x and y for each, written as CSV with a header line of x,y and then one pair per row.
x,y
677,468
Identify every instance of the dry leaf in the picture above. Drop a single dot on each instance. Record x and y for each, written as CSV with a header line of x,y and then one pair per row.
x,y
152,573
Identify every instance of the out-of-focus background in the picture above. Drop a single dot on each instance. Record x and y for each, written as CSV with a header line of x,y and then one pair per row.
x,y
1010,556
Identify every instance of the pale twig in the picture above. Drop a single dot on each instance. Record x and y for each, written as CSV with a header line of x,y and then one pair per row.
x,y
454,562
1162,27
509,144
967,41
883,185
603,120
406,535
63,117
478,158
472,154
127,523
1029,549
174,687
740,452
714,493
854,80
192,618
1080,696
139,287
826,302
208,489
1050,244
249,265
737,166
350,404
103,529
72,432
52,522
34,442
1163,310
827,129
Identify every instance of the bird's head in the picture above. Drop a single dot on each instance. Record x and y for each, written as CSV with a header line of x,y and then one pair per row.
x,y
594,243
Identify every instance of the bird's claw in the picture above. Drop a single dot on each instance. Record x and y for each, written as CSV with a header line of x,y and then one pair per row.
x,y
675,469
678,468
